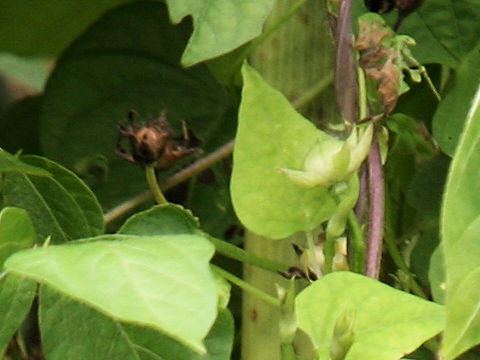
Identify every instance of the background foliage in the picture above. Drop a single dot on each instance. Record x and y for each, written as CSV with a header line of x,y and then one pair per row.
x,y
153,270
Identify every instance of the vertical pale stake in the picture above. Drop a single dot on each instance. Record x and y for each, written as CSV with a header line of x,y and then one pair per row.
x,y
295,59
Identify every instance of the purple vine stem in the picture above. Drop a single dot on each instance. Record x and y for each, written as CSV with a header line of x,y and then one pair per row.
x,y
345,69
376,211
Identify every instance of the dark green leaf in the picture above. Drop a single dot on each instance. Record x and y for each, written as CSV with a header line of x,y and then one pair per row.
x,y
210,201
12,164
34,35
59,315
128,60
161,220
19,128
445,30
16,232
450,116
425,191
60,206
16,296
81,194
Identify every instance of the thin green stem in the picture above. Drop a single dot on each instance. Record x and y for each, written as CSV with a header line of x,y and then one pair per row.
x,y
329,252
194,169
313,91
205,162
362,94
430,84
357,243
245,286
153,184
233,252
21,345
397,258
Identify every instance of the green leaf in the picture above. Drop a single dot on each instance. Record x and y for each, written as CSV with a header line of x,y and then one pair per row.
x,y
210,202
19,126
445,30
60,206
271,136
129,59
379,332
163,282
12,164
16,232
436,275
60,314
449,119
460,226
425,190
80,193
30,72
16,297
166,219
219,26
35,36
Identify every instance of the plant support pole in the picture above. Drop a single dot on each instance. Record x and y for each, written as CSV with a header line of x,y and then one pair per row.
x,y
376,211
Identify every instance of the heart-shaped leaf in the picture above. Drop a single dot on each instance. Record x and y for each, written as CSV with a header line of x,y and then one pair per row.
x,y
378,332
129,59
272,136
159,281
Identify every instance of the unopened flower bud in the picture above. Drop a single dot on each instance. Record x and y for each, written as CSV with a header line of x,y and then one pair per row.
x,y
343,336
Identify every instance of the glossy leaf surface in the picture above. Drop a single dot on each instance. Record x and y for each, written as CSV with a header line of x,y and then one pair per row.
x,y
460,227
161,282
271,136
379,332
35,36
